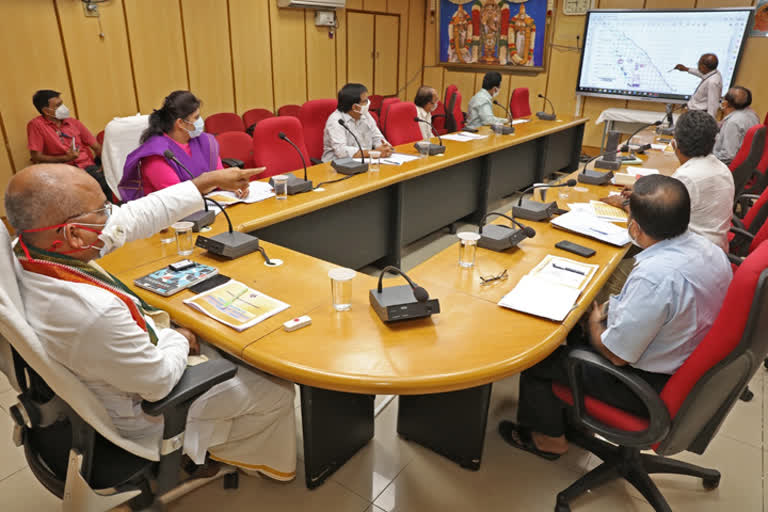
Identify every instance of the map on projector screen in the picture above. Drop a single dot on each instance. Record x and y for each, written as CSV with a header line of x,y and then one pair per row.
x,y
633,53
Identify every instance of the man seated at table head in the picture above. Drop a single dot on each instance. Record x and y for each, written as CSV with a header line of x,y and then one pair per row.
x,y
56,137
352,108
480,108
122,349
708,180
737,119
177,126
707,94
664,310
426,101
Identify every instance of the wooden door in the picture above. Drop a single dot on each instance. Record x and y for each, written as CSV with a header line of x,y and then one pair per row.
x,y
360,37
387,37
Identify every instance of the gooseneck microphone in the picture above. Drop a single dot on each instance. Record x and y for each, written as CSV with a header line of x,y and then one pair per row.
x,y
502,107
198,219
625,147
593,177
503,130
295,185
350,165
543,115
500,238
401,302
534,210
434,149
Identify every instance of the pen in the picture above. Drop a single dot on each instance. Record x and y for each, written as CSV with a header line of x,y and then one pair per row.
x,y
598,231
233,299
568,269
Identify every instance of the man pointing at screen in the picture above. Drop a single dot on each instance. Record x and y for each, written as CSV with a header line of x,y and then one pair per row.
x,y
707,94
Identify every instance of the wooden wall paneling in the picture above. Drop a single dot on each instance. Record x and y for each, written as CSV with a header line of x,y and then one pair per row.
x,y
28,68
751,73
386,65
251,50
360,48
401,7
621,4
670,4
288,55
593,133
433,74
355,4
536,84
151,26
341,48
100,68
722,3
6,172
415,48
563,64
209,59
321,60
465,81
374,5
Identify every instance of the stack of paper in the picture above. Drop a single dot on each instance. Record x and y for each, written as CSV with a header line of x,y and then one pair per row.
x,y
641,171
607,212
258,191
591,226
398,159
520,121
464,136
550,290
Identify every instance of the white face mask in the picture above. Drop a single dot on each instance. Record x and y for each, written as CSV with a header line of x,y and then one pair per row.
x,y
363,109
61,112
199,125
634,241
495,93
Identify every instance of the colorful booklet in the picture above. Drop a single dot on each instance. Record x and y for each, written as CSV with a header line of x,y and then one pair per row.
x,y
166,282
236,305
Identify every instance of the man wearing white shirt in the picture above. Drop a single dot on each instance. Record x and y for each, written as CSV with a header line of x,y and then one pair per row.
x,y
426,102
352,109
707,94
480,108
118,346
737,119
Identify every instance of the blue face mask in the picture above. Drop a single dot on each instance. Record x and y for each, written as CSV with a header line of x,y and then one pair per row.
x,y
199,124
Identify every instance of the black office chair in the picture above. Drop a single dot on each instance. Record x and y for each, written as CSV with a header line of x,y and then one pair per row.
x,y
69,440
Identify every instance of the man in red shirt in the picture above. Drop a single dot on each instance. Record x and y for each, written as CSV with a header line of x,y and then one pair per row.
x,y
55,137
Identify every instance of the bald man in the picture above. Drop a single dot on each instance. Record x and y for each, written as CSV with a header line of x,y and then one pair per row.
x,y
707,94
119,347
426,102
737,119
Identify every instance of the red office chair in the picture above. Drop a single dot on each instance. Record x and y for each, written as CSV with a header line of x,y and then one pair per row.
x,y
375,117
388,102
691,407
376,101
519,105
100,137
277,155
744,164
313,116
253,116
765,121
401,127
438,118
454,120
759,180
236,149
289,110
742,230
224,122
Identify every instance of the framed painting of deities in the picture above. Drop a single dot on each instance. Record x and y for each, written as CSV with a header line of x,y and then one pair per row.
x,y
492,34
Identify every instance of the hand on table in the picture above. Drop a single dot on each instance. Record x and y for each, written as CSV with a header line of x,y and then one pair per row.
x,y
385,149
617,201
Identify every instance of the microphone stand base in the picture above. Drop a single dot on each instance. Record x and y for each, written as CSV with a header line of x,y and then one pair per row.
x,y
229,245
667,130
349,166
200,219
434,149
546,117
398,303
532,210
499,238
595,177
611,165
295,185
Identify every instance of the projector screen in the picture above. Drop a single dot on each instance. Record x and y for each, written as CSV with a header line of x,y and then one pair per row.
x,y
632,54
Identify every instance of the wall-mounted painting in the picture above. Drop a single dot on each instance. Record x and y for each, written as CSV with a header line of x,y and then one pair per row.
x,y
493,34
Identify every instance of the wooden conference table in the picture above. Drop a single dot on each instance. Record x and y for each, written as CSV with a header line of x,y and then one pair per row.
x,y
441,367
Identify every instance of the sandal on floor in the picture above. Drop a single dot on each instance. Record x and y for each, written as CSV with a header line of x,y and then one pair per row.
x,y
520,437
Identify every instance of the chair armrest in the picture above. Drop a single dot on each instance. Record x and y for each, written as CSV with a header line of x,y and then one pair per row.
x,y
744,202
195,381
740,243
738,223
659,421
736,260
315,161
438,115
233,162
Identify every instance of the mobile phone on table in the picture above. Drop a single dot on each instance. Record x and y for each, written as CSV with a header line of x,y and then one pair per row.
x,y
575,248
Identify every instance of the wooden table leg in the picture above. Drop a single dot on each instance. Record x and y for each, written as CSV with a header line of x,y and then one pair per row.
x,y
451,424
335,425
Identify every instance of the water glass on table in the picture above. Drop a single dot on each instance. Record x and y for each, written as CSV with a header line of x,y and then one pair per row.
x,y
375,160
467,248
280,184
184,238
341,288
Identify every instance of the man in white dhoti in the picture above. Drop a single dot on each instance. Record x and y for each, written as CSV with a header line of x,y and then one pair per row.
x,y
121,348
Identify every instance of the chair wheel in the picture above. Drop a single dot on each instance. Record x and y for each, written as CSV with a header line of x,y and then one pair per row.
x,y
746,395
711,483
232,480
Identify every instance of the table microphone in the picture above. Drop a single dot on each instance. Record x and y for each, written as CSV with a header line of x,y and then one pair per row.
x,y
500,238
533,210
350,165
295,185
543,115
401,302
593,177
625,147
199,219
434,149
503,130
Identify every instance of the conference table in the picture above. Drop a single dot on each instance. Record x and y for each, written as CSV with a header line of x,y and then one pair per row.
x,y
442,367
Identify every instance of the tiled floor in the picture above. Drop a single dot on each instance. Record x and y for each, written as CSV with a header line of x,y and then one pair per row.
x,y
393,475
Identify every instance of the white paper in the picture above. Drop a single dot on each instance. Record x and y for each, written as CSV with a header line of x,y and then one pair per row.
x,y
565,271
592,227
541,297
464,136
598,206
258,191
520,121
659,147
641,171
398,159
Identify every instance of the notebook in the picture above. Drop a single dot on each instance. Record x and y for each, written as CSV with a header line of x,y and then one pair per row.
x,y
592,227
166,282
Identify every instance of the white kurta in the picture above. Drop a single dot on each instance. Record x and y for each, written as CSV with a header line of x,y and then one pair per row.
x,y
248,420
